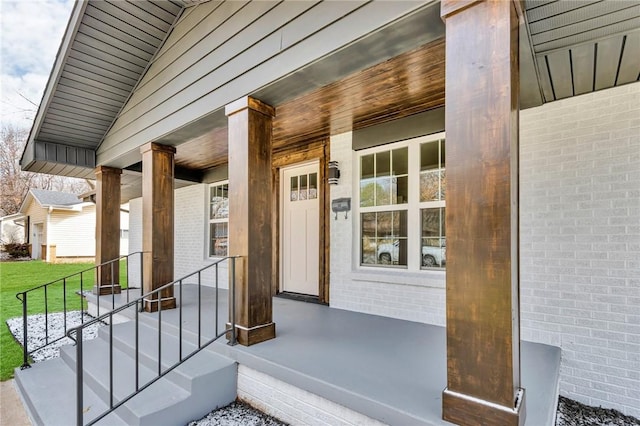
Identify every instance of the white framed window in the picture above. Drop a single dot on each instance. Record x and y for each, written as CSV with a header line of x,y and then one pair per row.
x,y
401,204
219,219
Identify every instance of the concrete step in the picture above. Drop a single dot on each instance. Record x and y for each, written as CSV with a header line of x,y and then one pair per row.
x,y
200,384
49,392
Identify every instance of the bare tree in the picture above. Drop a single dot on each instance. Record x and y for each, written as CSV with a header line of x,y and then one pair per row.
x,y
15,183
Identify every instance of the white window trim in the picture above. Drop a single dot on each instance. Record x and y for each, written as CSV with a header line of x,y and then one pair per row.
x,y
209,221
413,207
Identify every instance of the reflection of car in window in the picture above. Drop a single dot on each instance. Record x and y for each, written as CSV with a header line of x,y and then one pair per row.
x,y
388,254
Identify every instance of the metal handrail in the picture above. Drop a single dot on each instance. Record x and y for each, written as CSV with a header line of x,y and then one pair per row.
x,y
107,318
23,297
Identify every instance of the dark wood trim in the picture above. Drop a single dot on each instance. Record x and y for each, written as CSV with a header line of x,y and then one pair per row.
x,y
158,221
483,340
449,7
469,411
317,149
250,217
107,229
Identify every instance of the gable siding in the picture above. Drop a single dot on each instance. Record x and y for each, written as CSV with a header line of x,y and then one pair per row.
x,y
236,49
73,232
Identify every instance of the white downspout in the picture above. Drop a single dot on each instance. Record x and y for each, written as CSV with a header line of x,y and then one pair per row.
x,y
46,235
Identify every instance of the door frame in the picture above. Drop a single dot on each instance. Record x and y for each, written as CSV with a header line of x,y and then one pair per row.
x,y
314,151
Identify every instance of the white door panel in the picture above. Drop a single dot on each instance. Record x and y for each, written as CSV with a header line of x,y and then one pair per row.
x,y
300,229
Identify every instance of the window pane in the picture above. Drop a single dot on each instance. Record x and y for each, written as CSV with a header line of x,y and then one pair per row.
x,y
293,196
433,244
366,167
430,185
401,190
384,238
368,225
219,239
442,153
303,187
367,192
429,156
400,161
443,184
219,204
383,192
383,163
313,185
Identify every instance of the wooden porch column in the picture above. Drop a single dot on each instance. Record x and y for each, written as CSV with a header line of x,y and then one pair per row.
x,y
250,199
107,229
483,313
157,222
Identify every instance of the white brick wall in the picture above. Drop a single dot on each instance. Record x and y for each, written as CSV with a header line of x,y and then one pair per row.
x,y
580,241
190,234
294,405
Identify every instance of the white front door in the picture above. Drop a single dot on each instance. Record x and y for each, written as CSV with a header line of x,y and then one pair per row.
x,y
300,229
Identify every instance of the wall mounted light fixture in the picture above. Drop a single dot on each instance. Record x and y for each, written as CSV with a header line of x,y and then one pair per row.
x,y
334,173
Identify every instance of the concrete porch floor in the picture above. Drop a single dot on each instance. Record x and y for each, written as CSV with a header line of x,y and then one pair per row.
x,y
388,369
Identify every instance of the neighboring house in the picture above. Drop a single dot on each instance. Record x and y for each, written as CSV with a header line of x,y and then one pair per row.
x,y
13,229
59,227
217,122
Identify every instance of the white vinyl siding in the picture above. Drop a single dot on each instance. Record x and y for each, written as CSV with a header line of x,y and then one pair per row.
x,y
73,232
217,51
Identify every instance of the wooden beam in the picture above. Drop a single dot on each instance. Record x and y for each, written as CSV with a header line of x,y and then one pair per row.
x,y
250,188
157,223
107,230
483,340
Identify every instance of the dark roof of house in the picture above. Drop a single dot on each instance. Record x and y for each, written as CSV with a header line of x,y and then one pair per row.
x,y
54,198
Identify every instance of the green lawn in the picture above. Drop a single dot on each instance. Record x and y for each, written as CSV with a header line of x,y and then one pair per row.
x,y
20,276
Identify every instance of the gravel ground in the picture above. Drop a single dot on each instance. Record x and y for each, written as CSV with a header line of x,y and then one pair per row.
x,y
570,412
36,332
237,414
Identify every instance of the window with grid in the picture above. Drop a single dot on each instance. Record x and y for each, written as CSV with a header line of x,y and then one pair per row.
x,y
402,204
218,219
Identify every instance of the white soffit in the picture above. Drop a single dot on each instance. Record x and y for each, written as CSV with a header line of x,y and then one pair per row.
x,y
584,46
110,51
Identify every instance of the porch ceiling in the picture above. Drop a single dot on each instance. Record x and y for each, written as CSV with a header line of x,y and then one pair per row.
x,y
404,85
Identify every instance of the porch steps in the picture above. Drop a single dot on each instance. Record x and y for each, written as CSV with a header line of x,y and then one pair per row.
x,y
200,384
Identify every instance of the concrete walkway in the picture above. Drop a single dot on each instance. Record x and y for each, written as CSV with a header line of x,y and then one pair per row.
x,y
12,412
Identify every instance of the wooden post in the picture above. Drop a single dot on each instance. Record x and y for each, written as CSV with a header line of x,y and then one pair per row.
x,y
107,229
250,198
483,338
157,222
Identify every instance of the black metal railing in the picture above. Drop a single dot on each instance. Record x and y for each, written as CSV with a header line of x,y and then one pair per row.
x,y
138,305
59,288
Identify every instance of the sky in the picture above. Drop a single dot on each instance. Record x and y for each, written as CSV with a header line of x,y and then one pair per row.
x,y
30,35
